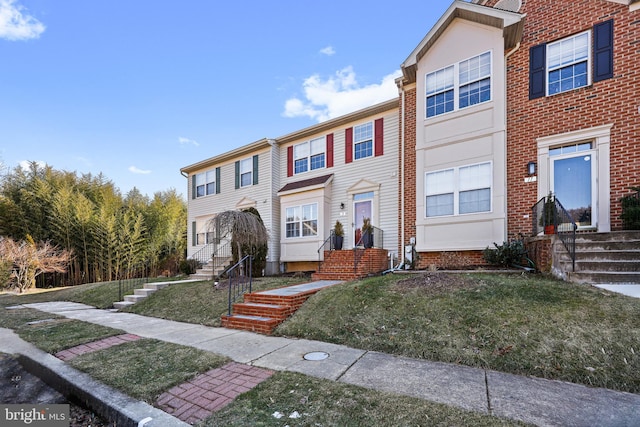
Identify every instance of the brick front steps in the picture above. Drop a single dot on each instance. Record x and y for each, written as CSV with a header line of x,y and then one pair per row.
x,y
262,311
349,264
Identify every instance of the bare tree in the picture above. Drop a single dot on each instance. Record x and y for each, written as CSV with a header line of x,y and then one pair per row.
x,y
244,227
28,260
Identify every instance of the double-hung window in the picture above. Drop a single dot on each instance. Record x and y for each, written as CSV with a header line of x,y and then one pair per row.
x,y
568,63
309,155
460,85
302,221
206,183
572,62
363,141
246,172
440,88
457,191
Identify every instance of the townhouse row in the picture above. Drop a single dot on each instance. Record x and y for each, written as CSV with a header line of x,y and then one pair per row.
x,y
501,103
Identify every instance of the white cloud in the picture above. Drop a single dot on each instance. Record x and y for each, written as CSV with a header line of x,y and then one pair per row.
x,y
14,25
26,164
338,95
185,141
329,51
134,169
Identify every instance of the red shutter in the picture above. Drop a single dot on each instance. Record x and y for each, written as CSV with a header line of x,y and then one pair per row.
x,y
378,130
348,145
290,161
330,150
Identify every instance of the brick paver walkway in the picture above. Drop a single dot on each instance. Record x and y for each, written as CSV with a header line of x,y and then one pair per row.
x,y
195,400
76,351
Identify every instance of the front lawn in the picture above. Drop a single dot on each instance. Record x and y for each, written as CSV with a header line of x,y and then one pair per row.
x,y
528,325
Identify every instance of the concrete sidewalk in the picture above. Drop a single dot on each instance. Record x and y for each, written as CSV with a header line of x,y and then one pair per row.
x,y
532,400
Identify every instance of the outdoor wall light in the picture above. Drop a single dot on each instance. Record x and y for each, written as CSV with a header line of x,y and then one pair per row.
x,y
531,168
341,205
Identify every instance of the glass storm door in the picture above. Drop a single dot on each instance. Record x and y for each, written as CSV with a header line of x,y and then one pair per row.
x,y
362,208
573,183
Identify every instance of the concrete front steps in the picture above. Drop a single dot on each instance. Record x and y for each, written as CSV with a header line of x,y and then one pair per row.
x,y
207,272
342,265
148,289
603,258
263,311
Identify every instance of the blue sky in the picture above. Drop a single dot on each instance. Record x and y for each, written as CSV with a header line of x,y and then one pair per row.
x,y
137,89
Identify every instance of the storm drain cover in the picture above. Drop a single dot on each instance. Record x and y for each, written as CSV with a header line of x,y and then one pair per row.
x,y
316,355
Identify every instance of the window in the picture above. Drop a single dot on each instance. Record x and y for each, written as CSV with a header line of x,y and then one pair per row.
x,y
440,92
568,63
459,85
458,191
205,183
475,80
363,141
302,221
309,155
246,172
572,62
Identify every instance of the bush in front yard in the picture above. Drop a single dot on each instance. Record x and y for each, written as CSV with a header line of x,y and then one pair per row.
x,y
509,253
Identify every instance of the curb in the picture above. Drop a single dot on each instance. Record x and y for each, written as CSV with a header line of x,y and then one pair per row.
x,y
105,401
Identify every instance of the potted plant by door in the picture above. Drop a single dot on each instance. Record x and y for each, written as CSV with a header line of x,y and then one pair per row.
x,y
547,220
338,236
367,233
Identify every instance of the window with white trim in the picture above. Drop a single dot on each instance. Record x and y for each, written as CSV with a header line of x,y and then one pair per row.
x,y
206,183
246,172
458,86
568,63
458,191
309,155
302,221
363,141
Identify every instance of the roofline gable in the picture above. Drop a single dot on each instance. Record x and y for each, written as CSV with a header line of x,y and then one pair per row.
x,y
511,23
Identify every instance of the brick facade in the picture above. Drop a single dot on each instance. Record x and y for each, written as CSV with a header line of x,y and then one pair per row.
x,y
612,101
409,166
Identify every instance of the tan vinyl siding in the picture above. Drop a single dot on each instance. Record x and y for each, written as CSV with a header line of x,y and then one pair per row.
x,y
382,171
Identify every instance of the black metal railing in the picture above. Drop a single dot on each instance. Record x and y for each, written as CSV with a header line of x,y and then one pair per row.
x,y
239,279
631,211
373,238
125,286
205,253
221,256
329,241
549,216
